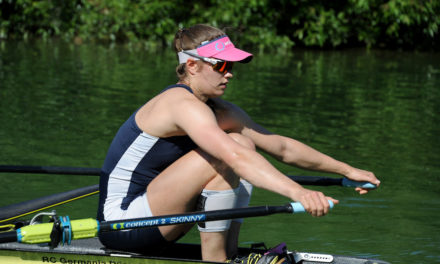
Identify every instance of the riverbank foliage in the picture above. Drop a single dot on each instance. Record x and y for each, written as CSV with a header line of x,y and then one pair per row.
x,y
261,24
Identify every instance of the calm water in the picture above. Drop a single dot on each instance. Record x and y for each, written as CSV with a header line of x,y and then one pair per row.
x,y
62,104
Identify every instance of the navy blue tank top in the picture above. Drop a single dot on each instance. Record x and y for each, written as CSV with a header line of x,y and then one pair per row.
x,y
135,158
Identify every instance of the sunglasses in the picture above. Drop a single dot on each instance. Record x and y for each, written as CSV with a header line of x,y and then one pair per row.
x,y
223,66
218,65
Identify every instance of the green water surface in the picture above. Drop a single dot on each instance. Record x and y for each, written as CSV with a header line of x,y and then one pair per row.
x,y
61,104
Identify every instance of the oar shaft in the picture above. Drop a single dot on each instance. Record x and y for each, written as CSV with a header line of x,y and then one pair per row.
x,y
87,228
316,180
305,180
65,230
194,217
51,170
10,212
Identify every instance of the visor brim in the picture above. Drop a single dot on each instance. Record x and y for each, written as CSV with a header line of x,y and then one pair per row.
x,y
234,54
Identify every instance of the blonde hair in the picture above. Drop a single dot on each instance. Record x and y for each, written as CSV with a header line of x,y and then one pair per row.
x,y
190,38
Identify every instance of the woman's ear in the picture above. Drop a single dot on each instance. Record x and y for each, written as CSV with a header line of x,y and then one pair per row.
x,y
192,66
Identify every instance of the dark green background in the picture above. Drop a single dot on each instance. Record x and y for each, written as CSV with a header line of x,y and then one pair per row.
x,y
260,24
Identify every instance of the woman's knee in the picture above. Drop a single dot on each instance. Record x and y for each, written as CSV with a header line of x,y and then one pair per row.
x,y
243,140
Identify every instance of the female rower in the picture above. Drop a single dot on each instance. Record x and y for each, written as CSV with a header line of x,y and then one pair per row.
x,y
186,149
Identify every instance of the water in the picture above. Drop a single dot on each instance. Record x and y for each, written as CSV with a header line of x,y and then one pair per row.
x,y
61,104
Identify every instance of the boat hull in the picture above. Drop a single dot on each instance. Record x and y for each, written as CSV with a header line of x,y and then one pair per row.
x,y
91,251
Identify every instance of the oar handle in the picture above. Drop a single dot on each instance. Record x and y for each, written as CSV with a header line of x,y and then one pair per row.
x,y
325,181
349,183
299,208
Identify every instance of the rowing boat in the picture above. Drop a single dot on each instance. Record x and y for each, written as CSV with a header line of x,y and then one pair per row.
x,y
91,251
80,245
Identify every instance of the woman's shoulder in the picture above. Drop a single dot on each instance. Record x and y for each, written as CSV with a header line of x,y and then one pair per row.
x,y
168,98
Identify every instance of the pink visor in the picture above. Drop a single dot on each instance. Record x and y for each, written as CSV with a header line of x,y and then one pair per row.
x,y
222,48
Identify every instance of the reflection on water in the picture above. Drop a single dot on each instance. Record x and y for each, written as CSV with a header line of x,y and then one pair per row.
x,y
61,105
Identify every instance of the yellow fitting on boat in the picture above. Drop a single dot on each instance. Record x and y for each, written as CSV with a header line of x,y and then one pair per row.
x,y
35,234
84,228
40,233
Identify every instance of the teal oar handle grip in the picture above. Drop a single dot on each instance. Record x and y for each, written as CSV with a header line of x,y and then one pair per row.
x,y
349,183
299,208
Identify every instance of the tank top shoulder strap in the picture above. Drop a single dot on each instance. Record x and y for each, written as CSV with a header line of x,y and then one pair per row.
x,y
177,85
210,102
